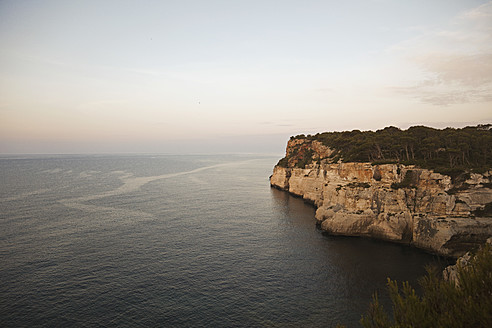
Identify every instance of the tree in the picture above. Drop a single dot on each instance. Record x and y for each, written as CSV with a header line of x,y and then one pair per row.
x,y
464,303
444,151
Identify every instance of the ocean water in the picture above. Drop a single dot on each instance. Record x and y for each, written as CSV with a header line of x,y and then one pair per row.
x,y
177,241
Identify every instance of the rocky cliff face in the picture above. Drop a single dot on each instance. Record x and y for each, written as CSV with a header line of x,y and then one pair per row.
x,y
391,201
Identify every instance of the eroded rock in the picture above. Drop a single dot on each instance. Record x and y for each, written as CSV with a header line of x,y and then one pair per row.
x,y
393,202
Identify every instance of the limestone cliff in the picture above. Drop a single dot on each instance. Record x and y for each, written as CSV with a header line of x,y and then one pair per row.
x,y
394,202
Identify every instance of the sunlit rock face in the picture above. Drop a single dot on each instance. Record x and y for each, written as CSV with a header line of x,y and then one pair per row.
x,y
391,201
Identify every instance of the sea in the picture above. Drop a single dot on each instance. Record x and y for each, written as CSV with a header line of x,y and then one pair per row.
x,y
178,241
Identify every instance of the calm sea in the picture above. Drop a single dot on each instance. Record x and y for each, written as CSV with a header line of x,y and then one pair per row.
x,y
176,241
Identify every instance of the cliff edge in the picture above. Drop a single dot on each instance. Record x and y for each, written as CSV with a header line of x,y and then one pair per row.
x,y
395,202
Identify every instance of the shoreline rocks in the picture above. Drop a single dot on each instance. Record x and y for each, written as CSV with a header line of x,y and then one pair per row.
x,y
393,202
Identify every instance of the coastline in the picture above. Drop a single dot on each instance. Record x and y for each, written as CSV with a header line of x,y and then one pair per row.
x,y
428,215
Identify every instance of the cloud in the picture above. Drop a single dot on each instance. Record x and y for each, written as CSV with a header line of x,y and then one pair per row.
x,y
439,96
455,62
468,70
454,79
482,12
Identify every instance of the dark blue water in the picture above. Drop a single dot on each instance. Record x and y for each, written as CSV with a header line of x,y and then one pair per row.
x,y
176,241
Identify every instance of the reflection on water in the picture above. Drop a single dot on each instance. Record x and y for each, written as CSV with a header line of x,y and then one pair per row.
x,y
177,241
353,267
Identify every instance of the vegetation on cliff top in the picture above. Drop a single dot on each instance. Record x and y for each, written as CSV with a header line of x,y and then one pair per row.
x,y
466,303
449,151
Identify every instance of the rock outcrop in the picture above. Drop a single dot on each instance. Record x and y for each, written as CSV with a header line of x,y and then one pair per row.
x,y
393,202
450,273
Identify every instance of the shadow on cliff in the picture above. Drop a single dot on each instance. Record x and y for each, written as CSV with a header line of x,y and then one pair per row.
x,y
356,257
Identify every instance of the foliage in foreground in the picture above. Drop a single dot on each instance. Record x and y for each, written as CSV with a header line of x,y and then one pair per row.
x,y
468,303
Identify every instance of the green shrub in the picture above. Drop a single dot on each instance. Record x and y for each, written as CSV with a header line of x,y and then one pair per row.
x,y
283,162
305,158
449,151
466,303
409,181
359,185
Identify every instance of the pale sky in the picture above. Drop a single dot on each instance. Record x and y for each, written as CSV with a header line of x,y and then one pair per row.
x,y
227,76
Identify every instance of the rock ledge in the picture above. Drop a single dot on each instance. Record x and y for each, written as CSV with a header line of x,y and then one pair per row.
x,y
393,202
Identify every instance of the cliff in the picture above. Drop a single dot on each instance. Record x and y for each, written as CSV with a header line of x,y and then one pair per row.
x,y
395,202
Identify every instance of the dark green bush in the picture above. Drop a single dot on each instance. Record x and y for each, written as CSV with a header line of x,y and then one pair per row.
x,y
466,303
305,158
409,181
283,162
359,185
449,151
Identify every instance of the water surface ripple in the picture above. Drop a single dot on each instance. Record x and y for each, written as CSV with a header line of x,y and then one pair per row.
x,y
176,241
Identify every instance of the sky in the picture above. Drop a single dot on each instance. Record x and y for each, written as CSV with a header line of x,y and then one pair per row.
x,y
209,76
